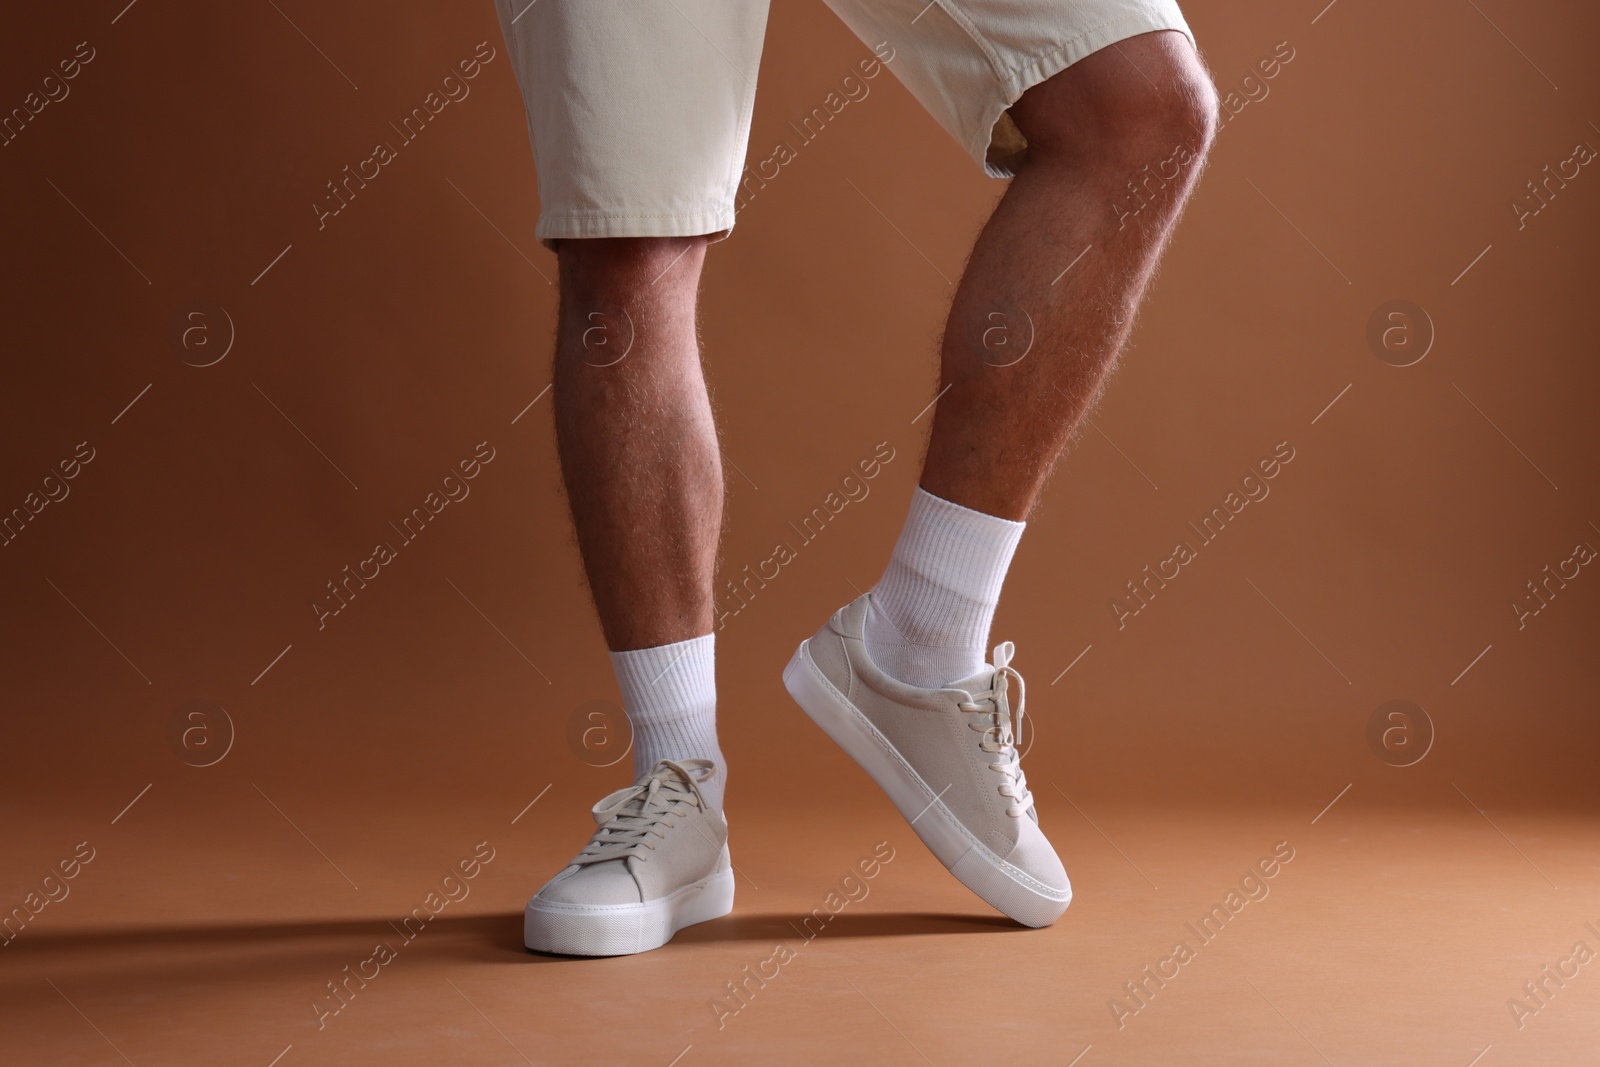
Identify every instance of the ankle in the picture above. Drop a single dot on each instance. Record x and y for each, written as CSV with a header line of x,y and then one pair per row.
x,y
670,695
932,609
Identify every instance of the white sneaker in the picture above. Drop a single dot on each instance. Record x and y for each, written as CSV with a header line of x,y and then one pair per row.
x,y
947,758
658,863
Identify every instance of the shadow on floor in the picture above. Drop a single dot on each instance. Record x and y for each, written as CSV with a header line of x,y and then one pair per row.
x,y
466,938
471,936
785,925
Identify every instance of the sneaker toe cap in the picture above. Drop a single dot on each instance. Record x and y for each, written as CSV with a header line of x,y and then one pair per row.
x,y
596,883
1035,856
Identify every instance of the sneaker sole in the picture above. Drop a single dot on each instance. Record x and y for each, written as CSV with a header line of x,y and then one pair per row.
x,y
1007,888
624,929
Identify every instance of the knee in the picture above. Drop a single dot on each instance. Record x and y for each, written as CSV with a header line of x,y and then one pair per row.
x,y
1141,101
614,268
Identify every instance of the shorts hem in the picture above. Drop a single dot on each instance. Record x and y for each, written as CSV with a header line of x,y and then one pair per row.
x,y
1035,71
716,225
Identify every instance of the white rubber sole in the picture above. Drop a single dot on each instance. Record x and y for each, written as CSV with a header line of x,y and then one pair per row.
x,y
623,929
1007,888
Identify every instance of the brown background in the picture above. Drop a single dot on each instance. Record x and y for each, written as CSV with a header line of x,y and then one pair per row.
x,y
379,350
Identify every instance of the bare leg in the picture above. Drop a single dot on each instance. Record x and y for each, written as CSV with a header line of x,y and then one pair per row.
x,y
1092,129
635,433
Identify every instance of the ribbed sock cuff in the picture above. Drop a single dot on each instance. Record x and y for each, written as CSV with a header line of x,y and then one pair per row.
x,y
947,569
670,695
937,597
668,681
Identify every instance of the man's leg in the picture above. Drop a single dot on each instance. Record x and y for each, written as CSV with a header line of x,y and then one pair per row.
x,y
638,447
1093,130
643,474
898,678
637,175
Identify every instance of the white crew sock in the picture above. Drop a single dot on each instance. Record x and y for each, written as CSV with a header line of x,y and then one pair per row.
x,y
936,600
670,695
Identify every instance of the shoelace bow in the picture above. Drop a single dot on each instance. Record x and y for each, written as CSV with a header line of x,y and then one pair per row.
x,y
633,818
1001,726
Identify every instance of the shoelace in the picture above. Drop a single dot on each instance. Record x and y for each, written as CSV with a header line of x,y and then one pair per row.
x,y
633,818
1001,727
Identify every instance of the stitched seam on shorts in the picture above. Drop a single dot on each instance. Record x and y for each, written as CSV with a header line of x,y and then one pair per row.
x,y
737,165
1067,45
601,216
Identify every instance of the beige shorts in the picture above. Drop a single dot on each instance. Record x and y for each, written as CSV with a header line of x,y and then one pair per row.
x,y
639,110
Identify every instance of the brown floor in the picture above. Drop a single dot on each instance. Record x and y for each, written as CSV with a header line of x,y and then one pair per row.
x,y
204,933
